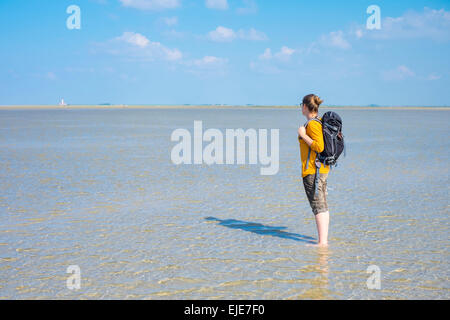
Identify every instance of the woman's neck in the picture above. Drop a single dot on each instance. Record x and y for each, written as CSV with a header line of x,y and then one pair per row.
x,y
311,116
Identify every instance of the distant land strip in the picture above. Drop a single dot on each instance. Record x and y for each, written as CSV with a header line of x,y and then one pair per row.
x,y
69,107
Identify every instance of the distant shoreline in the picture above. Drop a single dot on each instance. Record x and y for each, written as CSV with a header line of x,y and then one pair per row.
x,y
106,107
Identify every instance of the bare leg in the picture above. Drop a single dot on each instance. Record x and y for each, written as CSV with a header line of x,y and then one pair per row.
x,y
322,221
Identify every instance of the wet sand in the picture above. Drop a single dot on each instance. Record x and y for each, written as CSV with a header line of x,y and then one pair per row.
x,y
97,189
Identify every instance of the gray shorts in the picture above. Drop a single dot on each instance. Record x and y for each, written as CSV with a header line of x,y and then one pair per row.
x,y
318,202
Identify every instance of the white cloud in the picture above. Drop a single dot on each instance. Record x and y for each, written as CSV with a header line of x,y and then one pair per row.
x,y
429,24
170,21
405,71
173,54
270,63
267,55
217,4
432,24
210,62
137,46
252,35
207,66
50,76
151,4
249,7
127,77
400,73
136,39
222,34
359,33
174,34
433,76
335,39
284,54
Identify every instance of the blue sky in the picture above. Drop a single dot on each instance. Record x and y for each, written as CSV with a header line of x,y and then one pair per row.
x,y
224,52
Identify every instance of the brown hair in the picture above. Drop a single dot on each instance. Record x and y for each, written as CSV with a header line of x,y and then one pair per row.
x,y
312,102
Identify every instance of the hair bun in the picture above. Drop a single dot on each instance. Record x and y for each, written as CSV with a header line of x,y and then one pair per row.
x,y
317,100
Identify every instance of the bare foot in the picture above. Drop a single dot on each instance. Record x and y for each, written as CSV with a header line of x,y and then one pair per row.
x,y
318,245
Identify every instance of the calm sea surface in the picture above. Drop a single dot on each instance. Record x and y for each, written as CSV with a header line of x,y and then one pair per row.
x,y
97,189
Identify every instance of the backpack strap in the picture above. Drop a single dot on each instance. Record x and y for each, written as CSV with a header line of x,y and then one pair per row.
x,y
309,157
312,119
316,178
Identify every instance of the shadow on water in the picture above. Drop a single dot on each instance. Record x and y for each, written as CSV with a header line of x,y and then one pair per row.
x,y
262,229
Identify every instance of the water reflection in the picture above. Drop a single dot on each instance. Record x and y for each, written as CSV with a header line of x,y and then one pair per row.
x,y
322,268
323,255
320,286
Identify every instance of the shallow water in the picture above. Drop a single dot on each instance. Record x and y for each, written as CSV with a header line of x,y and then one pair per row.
x,y
97,189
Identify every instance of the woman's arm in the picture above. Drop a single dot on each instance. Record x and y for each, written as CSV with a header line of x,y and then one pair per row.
x,y
302,134
315,141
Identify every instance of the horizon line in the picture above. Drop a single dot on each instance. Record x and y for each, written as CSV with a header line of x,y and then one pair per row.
x,y
212,106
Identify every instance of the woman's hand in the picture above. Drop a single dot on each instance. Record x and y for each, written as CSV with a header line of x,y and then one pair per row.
x,y
301,132
302,135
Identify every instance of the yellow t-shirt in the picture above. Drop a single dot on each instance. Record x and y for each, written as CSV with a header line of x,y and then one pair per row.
x,y
314,131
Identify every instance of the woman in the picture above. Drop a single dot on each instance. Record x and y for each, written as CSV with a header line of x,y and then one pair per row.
x,y
311,142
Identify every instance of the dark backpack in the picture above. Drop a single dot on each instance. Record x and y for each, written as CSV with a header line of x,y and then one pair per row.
x,y
333,141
